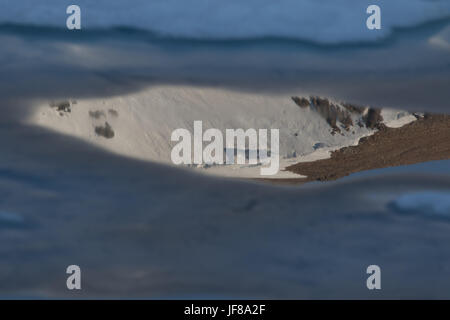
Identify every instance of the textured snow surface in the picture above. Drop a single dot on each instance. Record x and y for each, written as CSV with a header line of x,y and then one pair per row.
x,y
143,123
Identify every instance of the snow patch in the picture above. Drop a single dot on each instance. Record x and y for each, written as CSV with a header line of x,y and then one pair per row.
x,y
396,119
143,122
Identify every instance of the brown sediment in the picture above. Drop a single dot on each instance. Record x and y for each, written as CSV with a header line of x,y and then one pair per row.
x,y
426,139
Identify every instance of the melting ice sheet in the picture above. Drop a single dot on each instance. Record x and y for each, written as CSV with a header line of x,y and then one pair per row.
x,y
326,21
140,229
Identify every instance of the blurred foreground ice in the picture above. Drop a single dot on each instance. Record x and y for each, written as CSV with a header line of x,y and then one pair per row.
x,y
143,230
437,203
